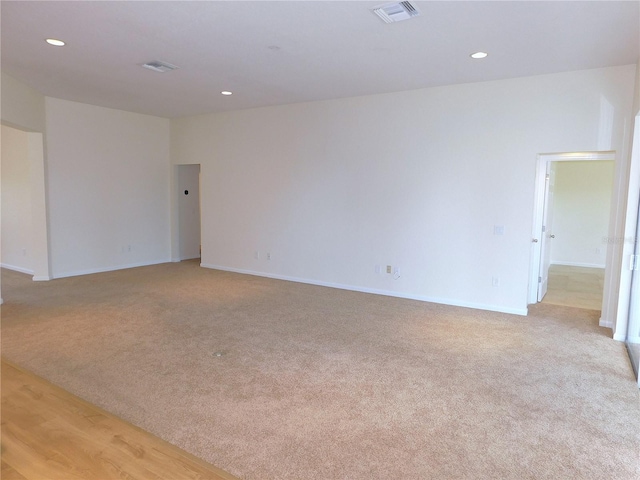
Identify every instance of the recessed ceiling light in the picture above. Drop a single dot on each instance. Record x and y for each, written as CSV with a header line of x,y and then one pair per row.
x,y
479,55
55,42
226,92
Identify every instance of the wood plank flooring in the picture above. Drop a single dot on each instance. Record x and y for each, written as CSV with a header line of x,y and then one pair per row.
x,y
50,434
575,287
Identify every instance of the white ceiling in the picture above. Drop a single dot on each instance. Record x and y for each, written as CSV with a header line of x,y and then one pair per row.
x,y
271,53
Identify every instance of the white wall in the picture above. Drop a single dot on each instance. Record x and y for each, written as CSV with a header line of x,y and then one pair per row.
x,y
108,179
414,179
16,201
22,106
636,96
581,212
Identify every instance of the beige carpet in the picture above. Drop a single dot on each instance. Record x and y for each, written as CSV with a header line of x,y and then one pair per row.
x,y
317,383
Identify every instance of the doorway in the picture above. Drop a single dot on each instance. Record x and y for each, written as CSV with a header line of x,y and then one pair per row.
x,y
571,228
25,246
188,192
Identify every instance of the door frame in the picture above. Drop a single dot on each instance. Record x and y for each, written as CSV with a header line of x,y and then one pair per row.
x,y
543,162
633,320
628,319
175,199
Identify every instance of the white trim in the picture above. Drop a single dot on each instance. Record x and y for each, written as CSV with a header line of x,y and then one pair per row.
x,y
16,269
340,286
574,264
619,337
578,156
109,269
605,323
633,339
36,278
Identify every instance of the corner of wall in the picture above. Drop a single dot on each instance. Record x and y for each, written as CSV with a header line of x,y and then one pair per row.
x,y
22,106
636,96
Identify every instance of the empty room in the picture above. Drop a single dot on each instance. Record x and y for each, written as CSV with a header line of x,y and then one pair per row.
x,y
320,240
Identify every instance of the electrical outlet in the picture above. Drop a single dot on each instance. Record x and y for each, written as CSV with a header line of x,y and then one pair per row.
x,y
268,255
388,268
495,281
377,268
256,255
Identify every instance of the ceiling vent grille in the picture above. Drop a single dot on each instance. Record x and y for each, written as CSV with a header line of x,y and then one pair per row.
x,y
396,12
160,67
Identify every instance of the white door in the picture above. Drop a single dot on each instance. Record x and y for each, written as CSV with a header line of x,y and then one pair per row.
x,y
633,327
189,211
546,235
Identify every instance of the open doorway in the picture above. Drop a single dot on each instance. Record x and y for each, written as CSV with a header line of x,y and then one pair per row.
x,y
578,232
24,210
188,185
572,221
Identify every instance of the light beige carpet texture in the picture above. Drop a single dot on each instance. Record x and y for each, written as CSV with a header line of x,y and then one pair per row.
x,y
271,380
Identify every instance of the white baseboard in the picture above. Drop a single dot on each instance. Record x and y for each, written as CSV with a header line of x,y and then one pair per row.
x,y
619,337
109,269
16,269
633,339
574,264
605,323
389,293
41,278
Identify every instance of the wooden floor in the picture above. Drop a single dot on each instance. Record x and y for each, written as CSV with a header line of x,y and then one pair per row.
x,y
50,434
575,287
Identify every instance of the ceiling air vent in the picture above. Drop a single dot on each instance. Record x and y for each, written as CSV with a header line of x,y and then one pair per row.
x,y
160,67
396,12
